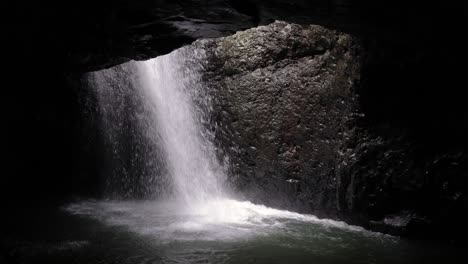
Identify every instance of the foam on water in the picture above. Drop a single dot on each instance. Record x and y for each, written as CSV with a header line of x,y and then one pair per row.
x,y
216,220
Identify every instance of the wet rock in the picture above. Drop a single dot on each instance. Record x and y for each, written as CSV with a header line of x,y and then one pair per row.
x,y
286,98
287,103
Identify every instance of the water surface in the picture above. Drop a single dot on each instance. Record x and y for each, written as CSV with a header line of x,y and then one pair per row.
x,y
147,232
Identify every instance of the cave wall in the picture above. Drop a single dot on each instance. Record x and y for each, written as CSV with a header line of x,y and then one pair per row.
x,y
285,103
288,113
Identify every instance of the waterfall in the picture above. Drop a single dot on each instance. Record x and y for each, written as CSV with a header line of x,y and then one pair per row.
x,y
190,155
154,118
151,123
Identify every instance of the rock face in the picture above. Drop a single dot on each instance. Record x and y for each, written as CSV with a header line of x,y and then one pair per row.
x,y
287,112
285,105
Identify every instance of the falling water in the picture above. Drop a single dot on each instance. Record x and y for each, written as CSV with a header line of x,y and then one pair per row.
x,y
156,98
129,157
190,155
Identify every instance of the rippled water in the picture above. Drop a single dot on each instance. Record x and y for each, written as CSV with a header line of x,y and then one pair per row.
x,y
229,231
225,231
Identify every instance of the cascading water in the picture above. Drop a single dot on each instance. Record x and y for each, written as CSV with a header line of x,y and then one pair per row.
x,y
155,98
196,174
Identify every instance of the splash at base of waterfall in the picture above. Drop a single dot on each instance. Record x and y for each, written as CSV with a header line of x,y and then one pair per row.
x,y
226,231
220,219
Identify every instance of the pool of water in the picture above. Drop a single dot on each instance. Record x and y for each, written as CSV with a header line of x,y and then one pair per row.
x,y
221,231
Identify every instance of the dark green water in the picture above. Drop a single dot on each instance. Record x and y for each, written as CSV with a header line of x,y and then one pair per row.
x,y
144,232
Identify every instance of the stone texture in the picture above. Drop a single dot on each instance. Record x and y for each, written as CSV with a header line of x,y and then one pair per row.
x,y
285,106
287,112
